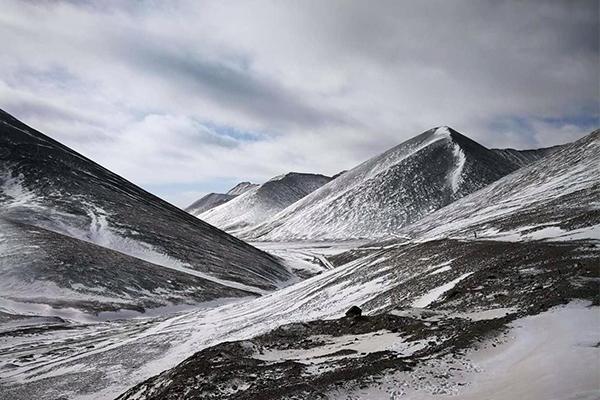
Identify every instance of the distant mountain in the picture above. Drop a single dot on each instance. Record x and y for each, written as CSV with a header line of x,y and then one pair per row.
x,y
213,200
241,188
73,234
389,191
261,202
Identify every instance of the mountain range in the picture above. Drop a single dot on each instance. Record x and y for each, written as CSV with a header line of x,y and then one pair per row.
x,y
394,189
264,201
471,273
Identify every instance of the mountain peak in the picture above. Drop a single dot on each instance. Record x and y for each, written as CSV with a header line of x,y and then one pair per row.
x,y
241,188
390,190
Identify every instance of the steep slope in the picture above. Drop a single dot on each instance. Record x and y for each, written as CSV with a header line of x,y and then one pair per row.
x,y
525,157
396,188
213,200
260,203
556,196
49,192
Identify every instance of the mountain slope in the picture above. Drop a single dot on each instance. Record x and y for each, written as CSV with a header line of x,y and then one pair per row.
x,y
556,196
213,200
525,157
46,185
396,188
207,202
261,202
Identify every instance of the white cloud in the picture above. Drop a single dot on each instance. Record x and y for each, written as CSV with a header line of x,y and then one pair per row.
x,y
320,86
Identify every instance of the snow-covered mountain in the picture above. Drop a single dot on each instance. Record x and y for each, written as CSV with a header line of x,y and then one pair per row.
x,y
74,235
438,309
389,191
213,200
261,202
241,188
445,316
556,196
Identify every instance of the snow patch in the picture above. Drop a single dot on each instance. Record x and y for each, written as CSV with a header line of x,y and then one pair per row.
x,y
456,174
434,294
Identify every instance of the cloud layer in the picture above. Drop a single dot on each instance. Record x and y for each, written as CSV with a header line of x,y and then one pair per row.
x,y
183,97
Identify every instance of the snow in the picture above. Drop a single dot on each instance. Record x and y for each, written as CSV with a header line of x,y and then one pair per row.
x,y
553,355
565,182
456,175
440,270
364,343
435,293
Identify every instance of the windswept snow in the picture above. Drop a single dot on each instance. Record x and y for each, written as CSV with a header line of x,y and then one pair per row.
x,y
456,175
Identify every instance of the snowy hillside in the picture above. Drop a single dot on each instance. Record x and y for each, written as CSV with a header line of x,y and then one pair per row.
x,y
261,202
557,197
396,188
525,157
75,235
207,202
213,200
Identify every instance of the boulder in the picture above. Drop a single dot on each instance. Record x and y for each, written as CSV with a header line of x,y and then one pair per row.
x,y
353,312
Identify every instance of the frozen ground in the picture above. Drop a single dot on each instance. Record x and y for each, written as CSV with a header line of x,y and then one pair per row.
x,y
100,360
552,355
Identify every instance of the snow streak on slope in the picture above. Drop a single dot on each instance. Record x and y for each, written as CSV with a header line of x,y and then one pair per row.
x,y
555,197
398,187
259,203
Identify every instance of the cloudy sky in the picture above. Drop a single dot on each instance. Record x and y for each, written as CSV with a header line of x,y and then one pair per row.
x,y
188,97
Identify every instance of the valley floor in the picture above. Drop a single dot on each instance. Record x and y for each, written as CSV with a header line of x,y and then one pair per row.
x,y
471,339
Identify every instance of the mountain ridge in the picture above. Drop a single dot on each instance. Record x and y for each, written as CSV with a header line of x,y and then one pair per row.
x,y
390,190
263,201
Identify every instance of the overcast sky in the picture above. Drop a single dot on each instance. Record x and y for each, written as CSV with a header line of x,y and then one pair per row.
x,y
188,97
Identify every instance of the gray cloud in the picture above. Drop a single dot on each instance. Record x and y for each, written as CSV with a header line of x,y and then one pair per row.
x,y
312,85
